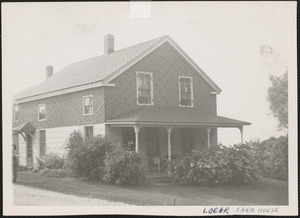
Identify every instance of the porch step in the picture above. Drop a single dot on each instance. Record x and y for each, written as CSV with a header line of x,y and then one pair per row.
x,y
155,177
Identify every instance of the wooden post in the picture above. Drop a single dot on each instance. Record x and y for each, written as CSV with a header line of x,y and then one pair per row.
x,y
208,136
136,130
169,129
241,129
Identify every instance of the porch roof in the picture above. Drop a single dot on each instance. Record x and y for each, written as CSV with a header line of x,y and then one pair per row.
x,y
24,127
174,116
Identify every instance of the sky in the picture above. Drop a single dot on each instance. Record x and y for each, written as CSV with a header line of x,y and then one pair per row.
x,y
223,38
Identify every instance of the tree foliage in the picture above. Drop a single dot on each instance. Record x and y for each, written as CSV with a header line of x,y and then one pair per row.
x,y
278,99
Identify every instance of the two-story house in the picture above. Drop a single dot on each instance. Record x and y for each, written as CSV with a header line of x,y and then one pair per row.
x,y
151,94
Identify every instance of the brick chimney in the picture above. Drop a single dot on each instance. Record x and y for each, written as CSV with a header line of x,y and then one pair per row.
x,y
109,44
49,71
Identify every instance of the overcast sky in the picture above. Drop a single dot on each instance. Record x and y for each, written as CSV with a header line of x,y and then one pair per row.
x,y
223,38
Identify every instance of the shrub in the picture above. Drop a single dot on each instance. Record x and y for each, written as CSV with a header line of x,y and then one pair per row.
x,y
242,164
123,166
86,157
272,157
216,165
50,161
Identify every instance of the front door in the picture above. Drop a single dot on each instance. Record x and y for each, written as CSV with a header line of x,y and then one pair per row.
x,y
152,144
29,151
187,140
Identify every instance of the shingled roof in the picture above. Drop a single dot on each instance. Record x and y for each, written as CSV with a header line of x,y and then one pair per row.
x,y
97,69
174,115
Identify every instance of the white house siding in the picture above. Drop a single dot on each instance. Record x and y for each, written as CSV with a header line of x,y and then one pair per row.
x,y
55,140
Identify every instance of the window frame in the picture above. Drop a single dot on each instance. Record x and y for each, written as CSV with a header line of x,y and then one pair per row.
x,y
39,106
83,98
192,92
137,88
88,126
45,143
14,114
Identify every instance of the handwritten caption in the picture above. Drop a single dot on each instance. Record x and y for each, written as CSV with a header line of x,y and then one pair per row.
x,y
240,210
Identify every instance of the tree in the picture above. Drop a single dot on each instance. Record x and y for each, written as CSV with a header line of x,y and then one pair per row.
x,y
278,99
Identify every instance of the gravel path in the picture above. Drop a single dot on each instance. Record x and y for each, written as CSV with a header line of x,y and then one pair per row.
x,y
26,196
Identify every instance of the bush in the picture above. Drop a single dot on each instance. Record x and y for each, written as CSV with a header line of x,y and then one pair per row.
x,y
272,157
123,166
86,157
242,164
50,161
216,165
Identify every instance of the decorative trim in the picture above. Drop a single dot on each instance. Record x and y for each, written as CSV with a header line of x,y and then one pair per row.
x,y
64,91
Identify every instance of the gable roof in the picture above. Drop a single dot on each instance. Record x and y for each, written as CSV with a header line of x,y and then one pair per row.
x,y
24,127
99,71
174,116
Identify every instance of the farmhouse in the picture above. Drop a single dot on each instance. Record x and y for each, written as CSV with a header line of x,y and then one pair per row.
x,y
151,95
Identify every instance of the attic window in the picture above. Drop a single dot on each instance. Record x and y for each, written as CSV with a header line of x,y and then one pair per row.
x,y
16,113
144,88
88,105
42,112
186,91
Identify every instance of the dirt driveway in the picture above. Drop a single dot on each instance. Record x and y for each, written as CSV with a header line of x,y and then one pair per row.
x,y
26,196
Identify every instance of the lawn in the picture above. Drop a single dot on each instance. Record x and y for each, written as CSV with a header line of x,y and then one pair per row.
x,y
264,192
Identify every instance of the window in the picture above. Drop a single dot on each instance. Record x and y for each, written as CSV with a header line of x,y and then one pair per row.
x,y
144,88
42,112
88,131
42,143
186,91
87,105
16,113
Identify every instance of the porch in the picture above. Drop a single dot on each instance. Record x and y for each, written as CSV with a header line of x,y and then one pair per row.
x,y
26,130
164,133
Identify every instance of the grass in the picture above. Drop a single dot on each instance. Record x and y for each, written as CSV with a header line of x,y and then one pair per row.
x,y
264,192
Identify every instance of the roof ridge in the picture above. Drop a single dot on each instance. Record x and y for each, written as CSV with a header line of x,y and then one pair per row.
x,y
131,46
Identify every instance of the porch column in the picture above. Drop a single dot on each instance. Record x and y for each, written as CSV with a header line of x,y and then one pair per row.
x,y
169,129
136,130
208,136
241,129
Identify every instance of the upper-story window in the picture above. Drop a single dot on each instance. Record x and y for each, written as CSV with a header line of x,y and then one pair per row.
x,y
88,105
42,112
16,113
144,88
186,91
